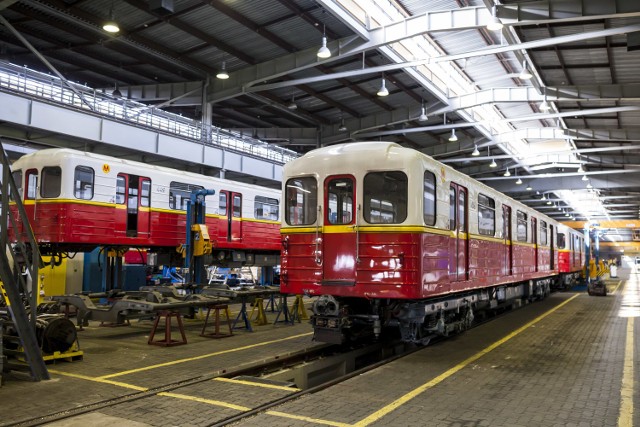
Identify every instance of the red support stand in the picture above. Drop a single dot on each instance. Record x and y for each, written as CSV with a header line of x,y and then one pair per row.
x,y
167,342
217,333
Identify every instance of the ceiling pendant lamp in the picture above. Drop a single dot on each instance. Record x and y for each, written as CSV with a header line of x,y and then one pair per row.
x,y
493,164
507,173
494,23
584,178
453,137
324,52
222,74
529,187
111,26
383,91
525,74
423,113
342,127
544,105
475,152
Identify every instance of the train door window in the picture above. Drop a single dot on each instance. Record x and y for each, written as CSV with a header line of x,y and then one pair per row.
x,y
543,233
385,197
31,182
561,240
266,208
83,183
237,205
121,183
145,192
301,204
180,193
462,209
222,203
429,196
51,182
486,215
340,201
17,178
452,209
521,227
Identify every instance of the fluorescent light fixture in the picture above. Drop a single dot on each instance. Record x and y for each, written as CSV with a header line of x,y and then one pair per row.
x,y
383,91
453,137
324,51
222,74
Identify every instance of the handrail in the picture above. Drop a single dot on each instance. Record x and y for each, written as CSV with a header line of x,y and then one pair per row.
x,y
39,85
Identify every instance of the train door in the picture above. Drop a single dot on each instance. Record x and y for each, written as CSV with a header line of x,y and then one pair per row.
x,y
230,205
552,248
133,195
339,241
534,241
508,239
458,244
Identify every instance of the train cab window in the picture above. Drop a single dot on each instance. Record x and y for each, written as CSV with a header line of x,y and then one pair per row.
x,y
543,233
266,208
385,197
429,196
51,182
340,201
31,182
301,204
521,228
83,183
562,242
180,193
486,215
17,178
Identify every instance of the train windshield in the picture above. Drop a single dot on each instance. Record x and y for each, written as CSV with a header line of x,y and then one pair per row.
x,y
301,201
385,197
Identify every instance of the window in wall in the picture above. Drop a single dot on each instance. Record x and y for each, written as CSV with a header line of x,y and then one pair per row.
x,y
385,197
521,232
51,182
543,233
83,183
31,180
266,208
429,196
180,194
301,204
486,215
340,201
561,241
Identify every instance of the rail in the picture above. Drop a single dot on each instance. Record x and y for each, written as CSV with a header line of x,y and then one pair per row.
x,y
50,88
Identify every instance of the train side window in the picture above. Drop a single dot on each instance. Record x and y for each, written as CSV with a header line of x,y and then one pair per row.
x,y
83,183
31,182
385,197
301,204
121,184
266,208
340,200
180,193
561,241
486,215
429,195
17,178
543,233
521,230
51,182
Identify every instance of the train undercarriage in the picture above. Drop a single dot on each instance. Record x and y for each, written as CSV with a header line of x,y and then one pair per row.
x,y
339,320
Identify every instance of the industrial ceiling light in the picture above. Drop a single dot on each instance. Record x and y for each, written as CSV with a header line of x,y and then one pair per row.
x,y
383,91
116,92
494,23
584,178
529,188
222,74
589,185
493,164
507,173
580,170
543,198
453,137
423,113
548,201
544,105
519,181
342,127
292,104
324,51
525,74
475,152
111,26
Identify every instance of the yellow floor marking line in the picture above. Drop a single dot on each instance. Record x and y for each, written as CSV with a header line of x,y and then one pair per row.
x,y
204,356
625,419
616,289
207,401
99,380
308,419
437,380
256,384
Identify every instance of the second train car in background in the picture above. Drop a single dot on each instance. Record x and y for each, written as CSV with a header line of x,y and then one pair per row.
x,y
77,201
386,236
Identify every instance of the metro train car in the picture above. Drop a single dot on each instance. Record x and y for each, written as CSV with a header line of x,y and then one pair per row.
x,y
387,237
77,201
571,256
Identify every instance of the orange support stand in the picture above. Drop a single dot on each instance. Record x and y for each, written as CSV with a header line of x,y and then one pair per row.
x,y
167,341
217,333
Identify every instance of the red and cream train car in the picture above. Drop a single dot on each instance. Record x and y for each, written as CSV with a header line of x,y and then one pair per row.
x,y
77,201
387,236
